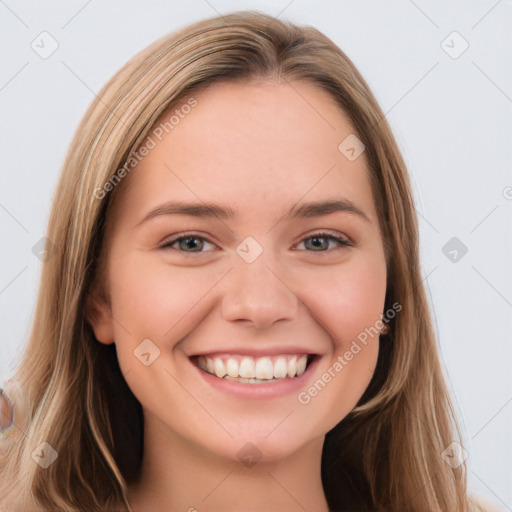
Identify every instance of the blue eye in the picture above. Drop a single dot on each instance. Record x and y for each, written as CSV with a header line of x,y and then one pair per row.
x,y
195,243
319,246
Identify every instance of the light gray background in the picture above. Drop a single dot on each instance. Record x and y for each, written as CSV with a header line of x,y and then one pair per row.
x,y
452,118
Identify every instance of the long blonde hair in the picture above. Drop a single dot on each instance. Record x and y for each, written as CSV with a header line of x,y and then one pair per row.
x,y
385,455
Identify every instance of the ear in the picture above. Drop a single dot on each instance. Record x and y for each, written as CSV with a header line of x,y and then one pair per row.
x,y
98,313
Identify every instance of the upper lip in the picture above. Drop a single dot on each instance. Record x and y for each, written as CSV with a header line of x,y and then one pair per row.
x,y
255,352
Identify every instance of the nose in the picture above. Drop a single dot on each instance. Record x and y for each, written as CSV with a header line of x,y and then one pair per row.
x,y
257,293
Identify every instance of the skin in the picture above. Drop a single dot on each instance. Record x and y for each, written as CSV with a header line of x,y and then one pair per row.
x,y
258,148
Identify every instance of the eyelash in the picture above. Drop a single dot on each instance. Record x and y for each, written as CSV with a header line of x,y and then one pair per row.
x,y
168,243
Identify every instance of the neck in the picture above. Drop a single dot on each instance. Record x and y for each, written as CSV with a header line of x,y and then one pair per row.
x,y
178,475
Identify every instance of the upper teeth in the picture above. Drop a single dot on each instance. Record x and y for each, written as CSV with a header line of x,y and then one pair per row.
x,y
264,368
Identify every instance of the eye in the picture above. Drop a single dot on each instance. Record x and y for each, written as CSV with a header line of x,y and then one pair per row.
x,y
192,243
187,243
320,242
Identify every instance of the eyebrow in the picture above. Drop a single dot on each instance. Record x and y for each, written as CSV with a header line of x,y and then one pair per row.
x,y
208,210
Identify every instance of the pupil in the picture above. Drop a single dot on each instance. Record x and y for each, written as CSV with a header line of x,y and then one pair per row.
x,y
190,242
315,240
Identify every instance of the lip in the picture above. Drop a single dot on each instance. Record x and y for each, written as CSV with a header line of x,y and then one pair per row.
x,y
262,391
274,351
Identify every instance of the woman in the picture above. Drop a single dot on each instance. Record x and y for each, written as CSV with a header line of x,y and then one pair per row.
x,y
233,316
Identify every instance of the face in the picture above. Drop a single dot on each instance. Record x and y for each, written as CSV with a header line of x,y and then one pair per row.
x,y
235,320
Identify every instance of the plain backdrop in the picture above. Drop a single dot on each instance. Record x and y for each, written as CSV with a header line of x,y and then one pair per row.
x,y
442,73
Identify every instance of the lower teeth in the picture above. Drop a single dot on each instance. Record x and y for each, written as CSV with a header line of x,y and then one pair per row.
x,y
249,381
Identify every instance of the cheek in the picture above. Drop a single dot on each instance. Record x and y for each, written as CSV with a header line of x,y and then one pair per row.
x,y
348,302
157,301
163,304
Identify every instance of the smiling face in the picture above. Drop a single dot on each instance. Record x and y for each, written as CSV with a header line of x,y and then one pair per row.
x,y
251,281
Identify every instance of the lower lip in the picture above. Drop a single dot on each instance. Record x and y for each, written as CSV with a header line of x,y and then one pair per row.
x,y
268,390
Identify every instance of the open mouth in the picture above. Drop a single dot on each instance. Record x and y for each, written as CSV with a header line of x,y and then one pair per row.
x,y
255,370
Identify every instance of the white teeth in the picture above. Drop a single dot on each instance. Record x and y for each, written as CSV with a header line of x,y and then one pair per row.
x,y
264,369
301,365
246,369
280,368
218,367
232,367
254,370
292,366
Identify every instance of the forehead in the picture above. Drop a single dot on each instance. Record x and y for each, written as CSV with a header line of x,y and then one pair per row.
x,y
248,145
